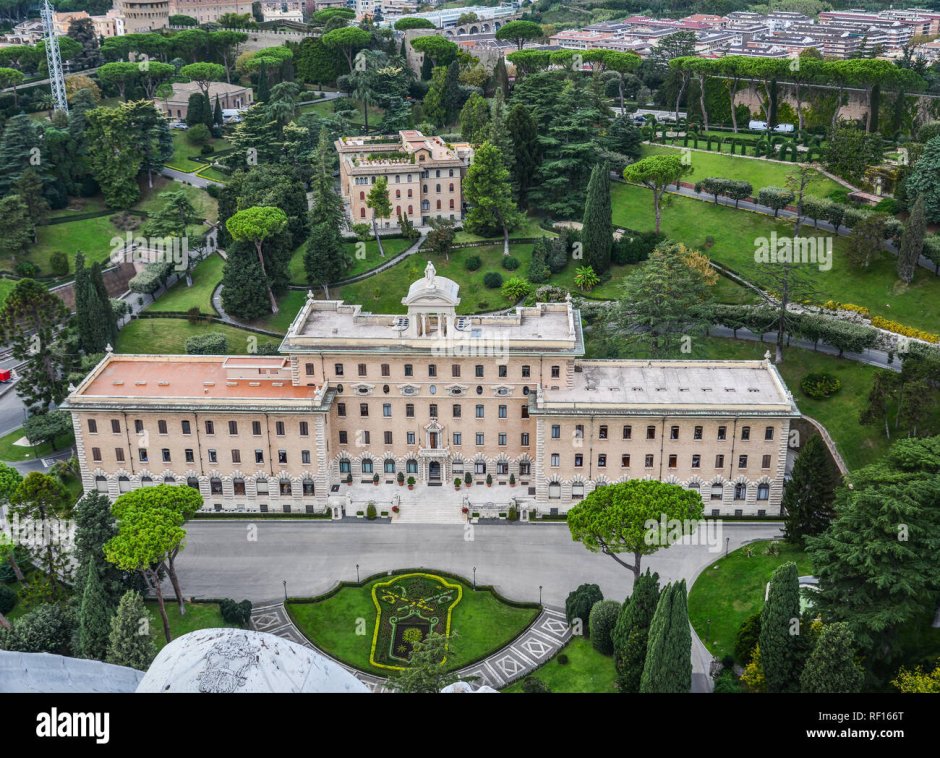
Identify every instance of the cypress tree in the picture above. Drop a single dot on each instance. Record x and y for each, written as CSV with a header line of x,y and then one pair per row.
x,y
325,258
217,117
500,77
668,666
597,229
831,666
631,633
403,50
427,68
130,642
538,266
264,90
912,242
196,112
779,630
525,148
245,292
85,306
808,496
107,324
93,617
451,95
94,526
207,109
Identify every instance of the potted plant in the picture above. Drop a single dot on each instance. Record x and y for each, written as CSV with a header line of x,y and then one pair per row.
x,y
395,509
512,480
349,478
489,480
411,482
457,482
467,479
465,510
375,479
400,478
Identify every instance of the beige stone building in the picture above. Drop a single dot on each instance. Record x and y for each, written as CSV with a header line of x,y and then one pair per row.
x,y
231,96
143,15
361,397
206,11
424,176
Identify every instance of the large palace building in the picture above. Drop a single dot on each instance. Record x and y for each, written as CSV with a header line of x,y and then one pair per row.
x,y
359,397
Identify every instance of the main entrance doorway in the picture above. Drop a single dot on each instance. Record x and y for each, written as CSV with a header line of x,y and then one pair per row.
x,y
434,471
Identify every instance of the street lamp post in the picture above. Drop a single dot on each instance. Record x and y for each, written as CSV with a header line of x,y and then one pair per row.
x,y
727,543
708,630
357,573
540,594
285,590
474,577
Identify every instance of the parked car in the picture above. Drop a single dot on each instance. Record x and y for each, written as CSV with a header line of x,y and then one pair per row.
x,y
784,128
179,125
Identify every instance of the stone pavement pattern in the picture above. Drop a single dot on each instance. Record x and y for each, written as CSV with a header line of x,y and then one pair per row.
x,y
536,645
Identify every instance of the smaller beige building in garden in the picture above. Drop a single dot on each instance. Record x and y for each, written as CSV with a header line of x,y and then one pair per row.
x,y
231,96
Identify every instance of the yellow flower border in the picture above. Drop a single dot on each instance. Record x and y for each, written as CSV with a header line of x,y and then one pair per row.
x,y
378,611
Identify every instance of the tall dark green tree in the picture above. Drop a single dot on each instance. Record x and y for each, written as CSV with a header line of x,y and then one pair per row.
x,y
325,257
327,202
94,526
631,633
130,642
196,112
20,149
105,310
94,617
427,68
668,665
244,290
597,229
499,80
452,95
809,494
526,151
217,117
29,188
831,667
780,630
912,242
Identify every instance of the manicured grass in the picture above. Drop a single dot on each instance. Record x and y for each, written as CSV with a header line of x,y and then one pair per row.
x,y
325,108
11,452
206,206
169,335
198,616
734,234
206,276
289,306
368,261
481,623
80,205
586,670
383,292
528,230
859,445
183,149
214,174
6,287
732,588
92,236
759,172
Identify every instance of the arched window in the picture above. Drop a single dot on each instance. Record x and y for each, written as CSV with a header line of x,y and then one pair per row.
x,y
763,491
366,465
397,194
286,488
101,483
308,487
146,481
437,188
410,209
411,466
215,485
238,486
452,205
389,466
362,195
362,213
344,467
169,480
554,491
718,492
740,491
261,486
577,491
451,186
397,210
438,204
124,484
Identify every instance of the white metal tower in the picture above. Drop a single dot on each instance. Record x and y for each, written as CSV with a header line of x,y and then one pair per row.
x,y
53,58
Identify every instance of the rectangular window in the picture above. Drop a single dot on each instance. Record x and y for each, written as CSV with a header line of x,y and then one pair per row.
x,y
502,372
213,456
673,461
674,432
343,438
279,428
479,438
697,434
478,371
305,457
190,458
556,432
651,432
256,428
625,460
556,372
409,410
649,461
745,433
338,369
765,461
138,426
525,468
409,370
455,410
769,433
233,428
579,431
458,438
628,432
432,370
556,459
142,455
116,426
479,411
387,436
742,461
96,454
602,461
308,369
410,436
386,370
503,411
719,461
366,437
282,456
722,432
526,372
165,452
501,438
361,369
455,370
210,427
578,460
119,454
524,441
602,432
341,409
259,456
236,456
363,409
187,429
304,429
432,410
525,411
386,410
92,426
161,426
696,461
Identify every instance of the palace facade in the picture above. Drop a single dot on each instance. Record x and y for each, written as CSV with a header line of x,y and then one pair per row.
x,y
359,397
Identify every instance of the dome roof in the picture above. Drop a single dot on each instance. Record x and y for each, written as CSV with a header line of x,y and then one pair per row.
x,y
432,289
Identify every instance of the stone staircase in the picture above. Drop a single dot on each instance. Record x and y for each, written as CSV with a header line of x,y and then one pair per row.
x,y
426,510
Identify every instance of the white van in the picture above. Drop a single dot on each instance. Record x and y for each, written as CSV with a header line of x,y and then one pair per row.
x,y
784,128
757,126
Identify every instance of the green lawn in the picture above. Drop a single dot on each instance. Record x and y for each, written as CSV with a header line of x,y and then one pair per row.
x,y
92,236
480,622
383,292
80,205
859,445
369,260
206,276
213,174
198,616
206,206
289,306
757,171
6,287
11,452
586,670
529,230
734,233
168,336
325,108
182,150
732,588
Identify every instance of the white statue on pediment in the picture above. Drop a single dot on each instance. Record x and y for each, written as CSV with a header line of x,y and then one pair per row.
x,y
429,273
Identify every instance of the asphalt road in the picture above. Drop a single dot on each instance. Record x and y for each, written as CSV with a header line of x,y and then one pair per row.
x,y
251,559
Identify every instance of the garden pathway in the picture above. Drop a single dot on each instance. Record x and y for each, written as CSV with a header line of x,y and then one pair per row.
x,y
535,646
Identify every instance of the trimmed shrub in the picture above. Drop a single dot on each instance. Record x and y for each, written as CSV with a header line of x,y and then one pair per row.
x,y
515,288
472,263
603,619
26,269
207,344
235,613
198,134
8,599
747,638
887,205
510,263
492,280
776,198
579,603
562,659
512,514
532,685
59,263
727,683
820,386
634,247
